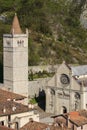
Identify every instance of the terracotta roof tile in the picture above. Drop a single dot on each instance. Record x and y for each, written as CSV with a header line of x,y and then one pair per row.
x,y
5,95
10,107
33,125
15,29
77,119
74,114
5,128
80,120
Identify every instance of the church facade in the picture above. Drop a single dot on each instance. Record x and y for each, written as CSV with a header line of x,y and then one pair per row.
x,y
67,90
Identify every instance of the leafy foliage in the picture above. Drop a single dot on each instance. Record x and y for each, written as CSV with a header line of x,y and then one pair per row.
x,y
55,30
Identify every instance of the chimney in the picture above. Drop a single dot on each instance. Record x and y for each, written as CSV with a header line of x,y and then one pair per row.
x,y
30,119
68,122
29,105
13,108
62,125
8,99
4,110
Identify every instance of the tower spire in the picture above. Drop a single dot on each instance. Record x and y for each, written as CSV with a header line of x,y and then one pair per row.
x,y
15,29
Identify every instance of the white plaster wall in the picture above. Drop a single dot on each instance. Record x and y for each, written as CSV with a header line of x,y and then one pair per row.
x,y
85,127
5,119
84,100
24,117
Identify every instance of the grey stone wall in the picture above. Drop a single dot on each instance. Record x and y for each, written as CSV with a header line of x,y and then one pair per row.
x,y
37,86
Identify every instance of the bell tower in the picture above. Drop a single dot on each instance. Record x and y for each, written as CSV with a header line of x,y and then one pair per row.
x,y
15,49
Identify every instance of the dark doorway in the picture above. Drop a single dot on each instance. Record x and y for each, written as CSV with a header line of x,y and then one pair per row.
x,y
16,126
1,73
64,109
1,122
41,99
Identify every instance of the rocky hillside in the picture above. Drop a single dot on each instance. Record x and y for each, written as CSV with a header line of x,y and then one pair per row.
x,y
57,29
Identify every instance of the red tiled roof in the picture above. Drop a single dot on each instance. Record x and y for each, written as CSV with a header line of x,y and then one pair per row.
x,y
10,107
33,125
5,128
5,95
77,119
74,114
15,29
58,128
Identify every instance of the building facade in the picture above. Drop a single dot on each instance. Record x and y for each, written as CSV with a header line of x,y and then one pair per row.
x,y
67,90
15,49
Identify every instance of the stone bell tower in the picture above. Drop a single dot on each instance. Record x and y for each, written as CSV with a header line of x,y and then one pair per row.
x,y
15,49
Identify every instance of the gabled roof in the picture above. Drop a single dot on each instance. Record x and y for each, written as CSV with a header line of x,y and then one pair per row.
x,y
15,29
6,95
33,125
10,107
79,70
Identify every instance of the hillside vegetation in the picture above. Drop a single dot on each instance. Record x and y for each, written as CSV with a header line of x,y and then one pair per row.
x,y
54,29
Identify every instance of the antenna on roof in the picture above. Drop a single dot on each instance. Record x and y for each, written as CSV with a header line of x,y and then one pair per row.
x,y
13,108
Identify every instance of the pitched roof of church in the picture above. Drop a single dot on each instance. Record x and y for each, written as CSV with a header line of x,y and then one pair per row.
x,y
79,70
16,29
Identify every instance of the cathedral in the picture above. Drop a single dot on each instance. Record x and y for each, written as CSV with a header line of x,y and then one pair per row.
x,y
67,89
